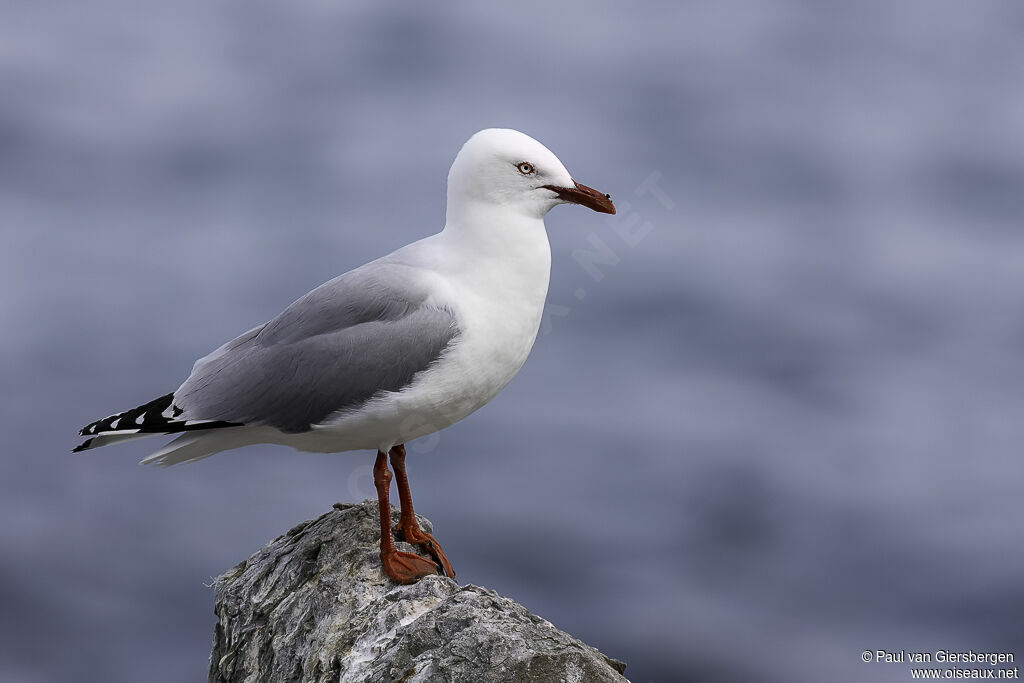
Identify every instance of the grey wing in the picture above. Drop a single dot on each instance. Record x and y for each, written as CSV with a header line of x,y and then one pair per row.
x,y
363,333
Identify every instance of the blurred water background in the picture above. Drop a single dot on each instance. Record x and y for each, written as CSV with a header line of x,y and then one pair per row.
x,y
776,423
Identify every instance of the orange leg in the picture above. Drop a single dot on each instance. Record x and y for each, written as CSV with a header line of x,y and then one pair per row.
x,y
398,566
407,525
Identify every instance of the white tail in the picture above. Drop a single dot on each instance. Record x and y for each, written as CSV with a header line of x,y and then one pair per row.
x,y
198,445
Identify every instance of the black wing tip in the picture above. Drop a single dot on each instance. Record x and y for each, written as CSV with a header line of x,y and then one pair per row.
x,y
84,446
90,429
152,414
154,421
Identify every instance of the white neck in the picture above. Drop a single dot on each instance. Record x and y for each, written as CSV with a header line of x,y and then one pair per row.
x,y
504,245
499,263
502,262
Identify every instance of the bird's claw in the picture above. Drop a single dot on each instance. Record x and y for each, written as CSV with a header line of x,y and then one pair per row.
x,y
413,534
405,568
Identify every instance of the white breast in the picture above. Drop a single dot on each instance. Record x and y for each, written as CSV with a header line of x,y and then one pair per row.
x,y
497,291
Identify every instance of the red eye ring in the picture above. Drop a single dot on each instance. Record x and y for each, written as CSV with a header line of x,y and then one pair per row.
x,y
525,167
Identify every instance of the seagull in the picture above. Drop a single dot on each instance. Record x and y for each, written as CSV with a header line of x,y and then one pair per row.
x,y
394,350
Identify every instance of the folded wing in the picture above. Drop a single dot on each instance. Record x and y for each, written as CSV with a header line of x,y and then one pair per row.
x,y
369,331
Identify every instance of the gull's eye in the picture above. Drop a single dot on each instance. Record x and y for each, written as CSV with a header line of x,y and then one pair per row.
x,y
525,167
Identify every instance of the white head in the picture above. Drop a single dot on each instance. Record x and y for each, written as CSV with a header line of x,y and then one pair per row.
x,y
506,168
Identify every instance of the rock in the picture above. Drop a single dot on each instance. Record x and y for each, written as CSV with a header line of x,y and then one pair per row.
x,y
314,605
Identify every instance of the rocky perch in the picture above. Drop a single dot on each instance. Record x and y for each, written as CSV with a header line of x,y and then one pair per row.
x,y
313,605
